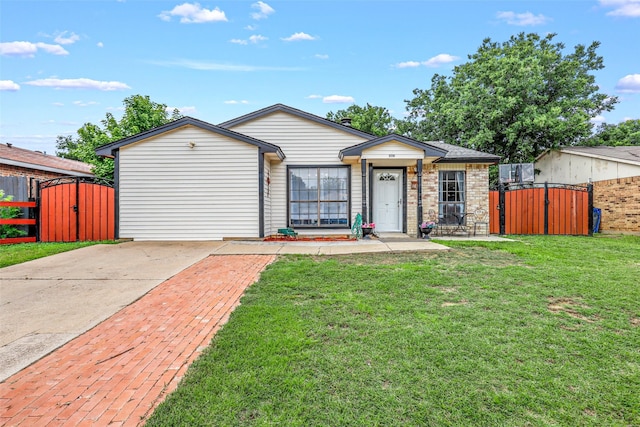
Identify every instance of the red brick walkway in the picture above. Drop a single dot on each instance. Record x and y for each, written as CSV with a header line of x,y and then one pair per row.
x,y
118,372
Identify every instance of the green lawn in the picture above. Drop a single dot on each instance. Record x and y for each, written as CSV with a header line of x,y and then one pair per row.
x,y
22,252
540,332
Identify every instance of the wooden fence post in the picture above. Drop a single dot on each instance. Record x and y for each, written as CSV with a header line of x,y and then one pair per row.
x,y
590,208
502,208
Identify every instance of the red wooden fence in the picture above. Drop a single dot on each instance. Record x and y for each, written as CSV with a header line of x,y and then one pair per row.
x,y
567,211
76,211
17,221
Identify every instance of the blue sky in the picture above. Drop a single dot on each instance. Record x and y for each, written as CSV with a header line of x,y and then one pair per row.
x,y
65,63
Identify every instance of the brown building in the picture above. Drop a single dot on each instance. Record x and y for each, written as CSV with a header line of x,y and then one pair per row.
x,y
28,166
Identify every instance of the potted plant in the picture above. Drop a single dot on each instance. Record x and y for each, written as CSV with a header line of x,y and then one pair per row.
x,y
367,229
426,228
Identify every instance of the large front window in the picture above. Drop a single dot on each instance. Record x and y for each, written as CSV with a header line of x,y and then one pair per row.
x,y
452,197
319,196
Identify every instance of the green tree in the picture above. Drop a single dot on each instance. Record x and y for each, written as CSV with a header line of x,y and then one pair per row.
x,y
513,99
374,120
140,114
625,133
6,230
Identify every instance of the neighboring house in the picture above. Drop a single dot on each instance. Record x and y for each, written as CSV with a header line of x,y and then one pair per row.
x,y
614,173
282,167
33,165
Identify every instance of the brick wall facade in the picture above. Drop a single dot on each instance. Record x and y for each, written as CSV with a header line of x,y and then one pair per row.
x,y
477,192
10,170
619,200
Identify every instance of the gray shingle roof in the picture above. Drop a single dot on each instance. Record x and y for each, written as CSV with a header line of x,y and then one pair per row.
x,y
625,154
22,157
456,153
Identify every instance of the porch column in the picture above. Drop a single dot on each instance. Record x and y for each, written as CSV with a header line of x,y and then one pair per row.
x,y
363,170
419,196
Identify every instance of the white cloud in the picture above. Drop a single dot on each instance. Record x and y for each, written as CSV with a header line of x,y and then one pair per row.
x,y
29,49
599,119
298,37
321,56
81,83
9,86
251,27
436,61
58,104
408,64
100,44
193,13
255,39
338,99
216,66
53,49
629,84
62,38
264,10
234,102
628,8
84,104
440,59
313,97
522,19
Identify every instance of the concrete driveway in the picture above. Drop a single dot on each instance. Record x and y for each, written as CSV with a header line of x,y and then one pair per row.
x,y
46,302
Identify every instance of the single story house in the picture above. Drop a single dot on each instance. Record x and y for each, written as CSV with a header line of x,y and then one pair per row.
x,y
20,168
614,173
282,167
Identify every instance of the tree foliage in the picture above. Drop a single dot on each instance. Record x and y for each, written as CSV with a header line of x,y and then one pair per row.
x,y
140,114
513,99
6,230
371,119
625,133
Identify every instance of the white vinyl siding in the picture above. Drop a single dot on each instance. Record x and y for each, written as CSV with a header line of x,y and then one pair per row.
x,y
570,168
170,191
393,150
304,143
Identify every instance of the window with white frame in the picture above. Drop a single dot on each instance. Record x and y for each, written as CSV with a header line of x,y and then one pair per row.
x,y
319,196
451,208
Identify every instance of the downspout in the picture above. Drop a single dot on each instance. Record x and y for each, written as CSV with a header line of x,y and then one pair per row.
x,y
116,194
370,192
363,170
419,172
260,193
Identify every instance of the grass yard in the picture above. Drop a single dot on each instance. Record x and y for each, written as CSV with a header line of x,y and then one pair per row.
x,y
23,252
540,332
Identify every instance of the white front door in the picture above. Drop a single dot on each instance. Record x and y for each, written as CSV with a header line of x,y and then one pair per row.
x,y
387,199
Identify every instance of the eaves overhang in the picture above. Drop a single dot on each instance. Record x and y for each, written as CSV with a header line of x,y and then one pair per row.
x,y
356,150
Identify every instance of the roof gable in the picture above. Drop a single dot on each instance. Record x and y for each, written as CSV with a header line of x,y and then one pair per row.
x,y
109,150
446,153
295,112
429,151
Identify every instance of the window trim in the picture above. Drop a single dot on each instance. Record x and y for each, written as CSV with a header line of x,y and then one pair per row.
x,y
319,200
441,203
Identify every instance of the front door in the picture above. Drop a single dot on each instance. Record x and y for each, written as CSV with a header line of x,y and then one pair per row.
x,y
387,199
